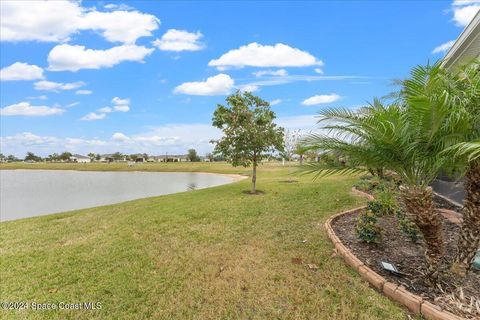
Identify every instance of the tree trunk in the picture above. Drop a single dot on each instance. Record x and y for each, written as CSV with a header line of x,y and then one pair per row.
x,y
254,177
420,207
469,238
380,173
301,159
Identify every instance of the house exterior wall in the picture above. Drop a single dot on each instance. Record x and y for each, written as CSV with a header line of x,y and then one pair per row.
x,y
466,47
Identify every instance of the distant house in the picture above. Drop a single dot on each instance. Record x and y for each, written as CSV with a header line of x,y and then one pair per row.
x,y
172,158
80,159
466,47
109,157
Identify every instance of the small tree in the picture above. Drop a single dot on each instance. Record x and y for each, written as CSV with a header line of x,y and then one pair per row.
x,y
65,156
192,155
118,156
52,157
12,158
32,157
249,131
210,157
92,156
290,140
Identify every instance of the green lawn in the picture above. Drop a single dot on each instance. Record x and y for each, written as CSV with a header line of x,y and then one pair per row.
x,y
207,254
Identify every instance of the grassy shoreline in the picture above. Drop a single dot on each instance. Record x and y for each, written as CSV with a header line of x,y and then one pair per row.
x,y
215,253
207,167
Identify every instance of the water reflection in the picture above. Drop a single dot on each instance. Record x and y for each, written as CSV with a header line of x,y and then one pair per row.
x,y
27,193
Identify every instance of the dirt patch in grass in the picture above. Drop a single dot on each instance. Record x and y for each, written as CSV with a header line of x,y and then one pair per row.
x,y
256,193
459,297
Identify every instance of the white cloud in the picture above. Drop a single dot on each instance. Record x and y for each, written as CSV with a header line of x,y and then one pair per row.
x,y
67,57
464,11
221,84
56,86
121,108
275,102
105,110
117,101
72,142
320,99
465,2
274,81
93,116
118,136
303,122
119,105
443,47
73,104
167,138
57,21
83,92
42,97
318,70
26,109
279,72
257,55
21,71
20,143
249,88
179,40
120,26
171,138
114,6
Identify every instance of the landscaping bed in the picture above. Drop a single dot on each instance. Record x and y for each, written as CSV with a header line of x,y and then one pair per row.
x,y
459,297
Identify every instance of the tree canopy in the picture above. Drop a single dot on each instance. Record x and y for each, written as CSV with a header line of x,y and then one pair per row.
x,y
249,131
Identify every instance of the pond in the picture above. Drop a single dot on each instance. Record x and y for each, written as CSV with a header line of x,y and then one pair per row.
x,y
28,193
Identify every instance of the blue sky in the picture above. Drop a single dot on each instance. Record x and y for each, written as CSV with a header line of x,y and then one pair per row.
x,y
145,76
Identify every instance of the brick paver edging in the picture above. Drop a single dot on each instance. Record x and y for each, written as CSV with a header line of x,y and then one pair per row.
x,y
396,292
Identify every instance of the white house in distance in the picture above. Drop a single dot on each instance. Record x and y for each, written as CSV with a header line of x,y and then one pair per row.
x,y
80,159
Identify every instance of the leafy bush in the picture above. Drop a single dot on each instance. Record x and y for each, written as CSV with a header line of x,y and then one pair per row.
x,y
374,184
407,226
375,206
363,185
385,203
367,229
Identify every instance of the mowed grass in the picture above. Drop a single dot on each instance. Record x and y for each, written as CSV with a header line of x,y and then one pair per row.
x,y
215,253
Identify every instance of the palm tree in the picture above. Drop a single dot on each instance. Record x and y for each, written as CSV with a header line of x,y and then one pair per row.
x,y
392,138
465,104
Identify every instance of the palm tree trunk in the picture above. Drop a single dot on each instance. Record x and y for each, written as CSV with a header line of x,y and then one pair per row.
x,y
469,238
420,207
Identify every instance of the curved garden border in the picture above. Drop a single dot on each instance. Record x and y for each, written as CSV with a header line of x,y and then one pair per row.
x,y
396,292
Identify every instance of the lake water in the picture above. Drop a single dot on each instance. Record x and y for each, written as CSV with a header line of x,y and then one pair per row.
x,y
28,193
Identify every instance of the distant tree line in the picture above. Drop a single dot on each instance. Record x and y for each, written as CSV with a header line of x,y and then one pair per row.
x,y
192,156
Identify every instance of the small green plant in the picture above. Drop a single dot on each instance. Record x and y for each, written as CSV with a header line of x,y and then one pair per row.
x,y
367,229
407,226
374,184
385,203
363,185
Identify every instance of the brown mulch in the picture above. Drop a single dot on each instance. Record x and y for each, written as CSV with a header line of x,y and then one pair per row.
x,y
443,203
459,297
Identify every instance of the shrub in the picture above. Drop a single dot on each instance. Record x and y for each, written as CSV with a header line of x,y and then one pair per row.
x,y
367,229
385,203
363,185
374,184
407,226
